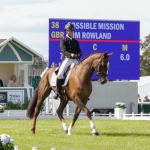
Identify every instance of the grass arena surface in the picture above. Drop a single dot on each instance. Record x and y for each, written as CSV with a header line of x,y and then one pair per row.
x,y
114,135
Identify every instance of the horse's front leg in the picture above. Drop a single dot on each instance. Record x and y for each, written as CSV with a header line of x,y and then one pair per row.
x,y
88,113
61,107
77,112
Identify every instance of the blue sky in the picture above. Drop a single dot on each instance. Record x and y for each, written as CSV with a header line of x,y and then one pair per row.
x,y
27,20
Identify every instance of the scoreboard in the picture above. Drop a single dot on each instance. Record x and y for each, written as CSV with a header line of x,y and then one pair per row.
x,y
120,37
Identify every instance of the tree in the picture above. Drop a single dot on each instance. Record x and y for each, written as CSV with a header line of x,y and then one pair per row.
x,y
145,57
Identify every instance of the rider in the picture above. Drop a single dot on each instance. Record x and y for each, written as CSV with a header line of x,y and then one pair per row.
x,y
71,51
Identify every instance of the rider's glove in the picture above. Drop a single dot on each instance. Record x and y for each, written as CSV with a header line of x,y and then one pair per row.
x,y
75,56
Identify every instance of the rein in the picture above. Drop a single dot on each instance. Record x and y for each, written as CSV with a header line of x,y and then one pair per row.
x,y
99,63
80,61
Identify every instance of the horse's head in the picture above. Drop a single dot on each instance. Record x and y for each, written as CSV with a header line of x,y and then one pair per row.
x,y
101,67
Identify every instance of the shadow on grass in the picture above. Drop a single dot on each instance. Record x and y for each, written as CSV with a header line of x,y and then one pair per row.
x,y
126,134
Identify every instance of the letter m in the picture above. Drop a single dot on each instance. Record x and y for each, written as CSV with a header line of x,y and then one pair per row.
x,y
124,47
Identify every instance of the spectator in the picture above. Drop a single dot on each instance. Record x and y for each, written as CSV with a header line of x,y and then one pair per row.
x,y
1,83
146,99
12,82
139,100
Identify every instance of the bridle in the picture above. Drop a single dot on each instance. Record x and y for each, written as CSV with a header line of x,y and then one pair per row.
x,y
100,73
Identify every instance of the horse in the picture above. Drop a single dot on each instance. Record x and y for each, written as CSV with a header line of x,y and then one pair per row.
x,y
78,90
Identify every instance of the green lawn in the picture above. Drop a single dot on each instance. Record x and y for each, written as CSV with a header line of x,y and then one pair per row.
x,y
114,135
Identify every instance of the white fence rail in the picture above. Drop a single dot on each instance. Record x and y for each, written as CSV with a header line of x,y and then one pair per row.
x,y
21,114
145,103
133,116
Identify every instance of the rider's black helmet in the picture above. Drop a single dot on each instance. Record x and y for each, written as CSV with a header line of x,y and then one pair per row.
x,y
70,27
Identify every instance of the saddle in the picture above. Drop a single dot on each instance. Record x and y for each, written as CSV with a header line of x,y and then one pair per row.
x,y
66,75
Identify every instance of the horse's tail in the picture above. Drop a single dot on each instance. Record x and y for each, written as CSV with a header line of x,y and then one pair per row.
x,y
32,104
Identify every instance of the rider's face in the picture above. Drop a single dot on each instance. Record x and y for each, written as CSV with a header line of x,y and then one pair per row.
x,y
70,33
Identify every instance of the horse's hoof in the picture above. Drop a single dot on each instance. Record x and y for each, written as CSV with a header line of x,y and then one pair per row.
x,y
65,131
95,134
69,132
32,131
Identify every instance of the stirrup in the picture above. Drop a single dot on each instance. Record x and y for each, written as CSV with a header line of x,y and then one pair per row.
x,y
56,95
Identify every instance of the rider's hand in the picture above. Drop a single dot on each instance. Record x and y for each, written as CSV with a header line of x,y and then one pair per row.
x,y
72,55
75,56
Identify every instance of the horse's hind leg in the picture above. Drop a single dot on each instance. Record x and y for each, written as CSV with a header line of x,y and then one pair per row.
x,y
77,112
61,107
43,93
36,113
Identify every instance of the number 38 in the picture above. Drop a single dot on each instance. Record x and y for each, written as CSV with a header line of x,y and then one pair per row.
x,y
55,25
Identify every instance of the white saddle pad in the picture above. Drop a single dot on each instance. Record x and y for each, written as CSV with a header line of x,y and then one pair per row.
x,y
54,77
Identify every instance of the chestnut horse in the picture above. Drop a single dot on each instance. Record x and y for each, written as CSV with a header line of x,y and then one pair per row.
x,y
78,89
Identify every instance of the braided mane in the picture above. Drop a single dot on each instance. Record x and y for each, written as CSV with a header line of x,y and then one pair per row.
x,y
90,55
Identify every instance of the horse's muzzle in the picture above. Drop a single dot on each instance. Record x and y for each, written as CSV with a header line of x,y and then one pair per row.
x,y
102,80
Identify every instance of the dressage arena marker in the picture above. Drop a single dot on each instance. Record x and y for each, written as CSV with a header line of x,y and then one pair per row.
x,y
16,148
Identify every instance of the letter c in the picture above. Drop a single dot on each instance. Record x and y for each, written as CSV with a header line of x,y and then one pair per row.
x,y
94,47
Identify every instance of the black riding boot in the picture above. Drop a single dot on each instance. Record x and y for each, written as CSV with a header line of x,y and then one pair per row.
x,y
58,86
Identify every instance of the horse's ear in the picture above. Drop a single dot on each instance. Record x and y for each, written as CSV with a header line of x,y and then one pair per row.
x,y
110,54
105,55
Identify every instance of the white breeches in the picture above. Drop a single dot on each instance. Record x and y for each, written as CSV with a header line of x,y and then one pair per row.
x,y
67,62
